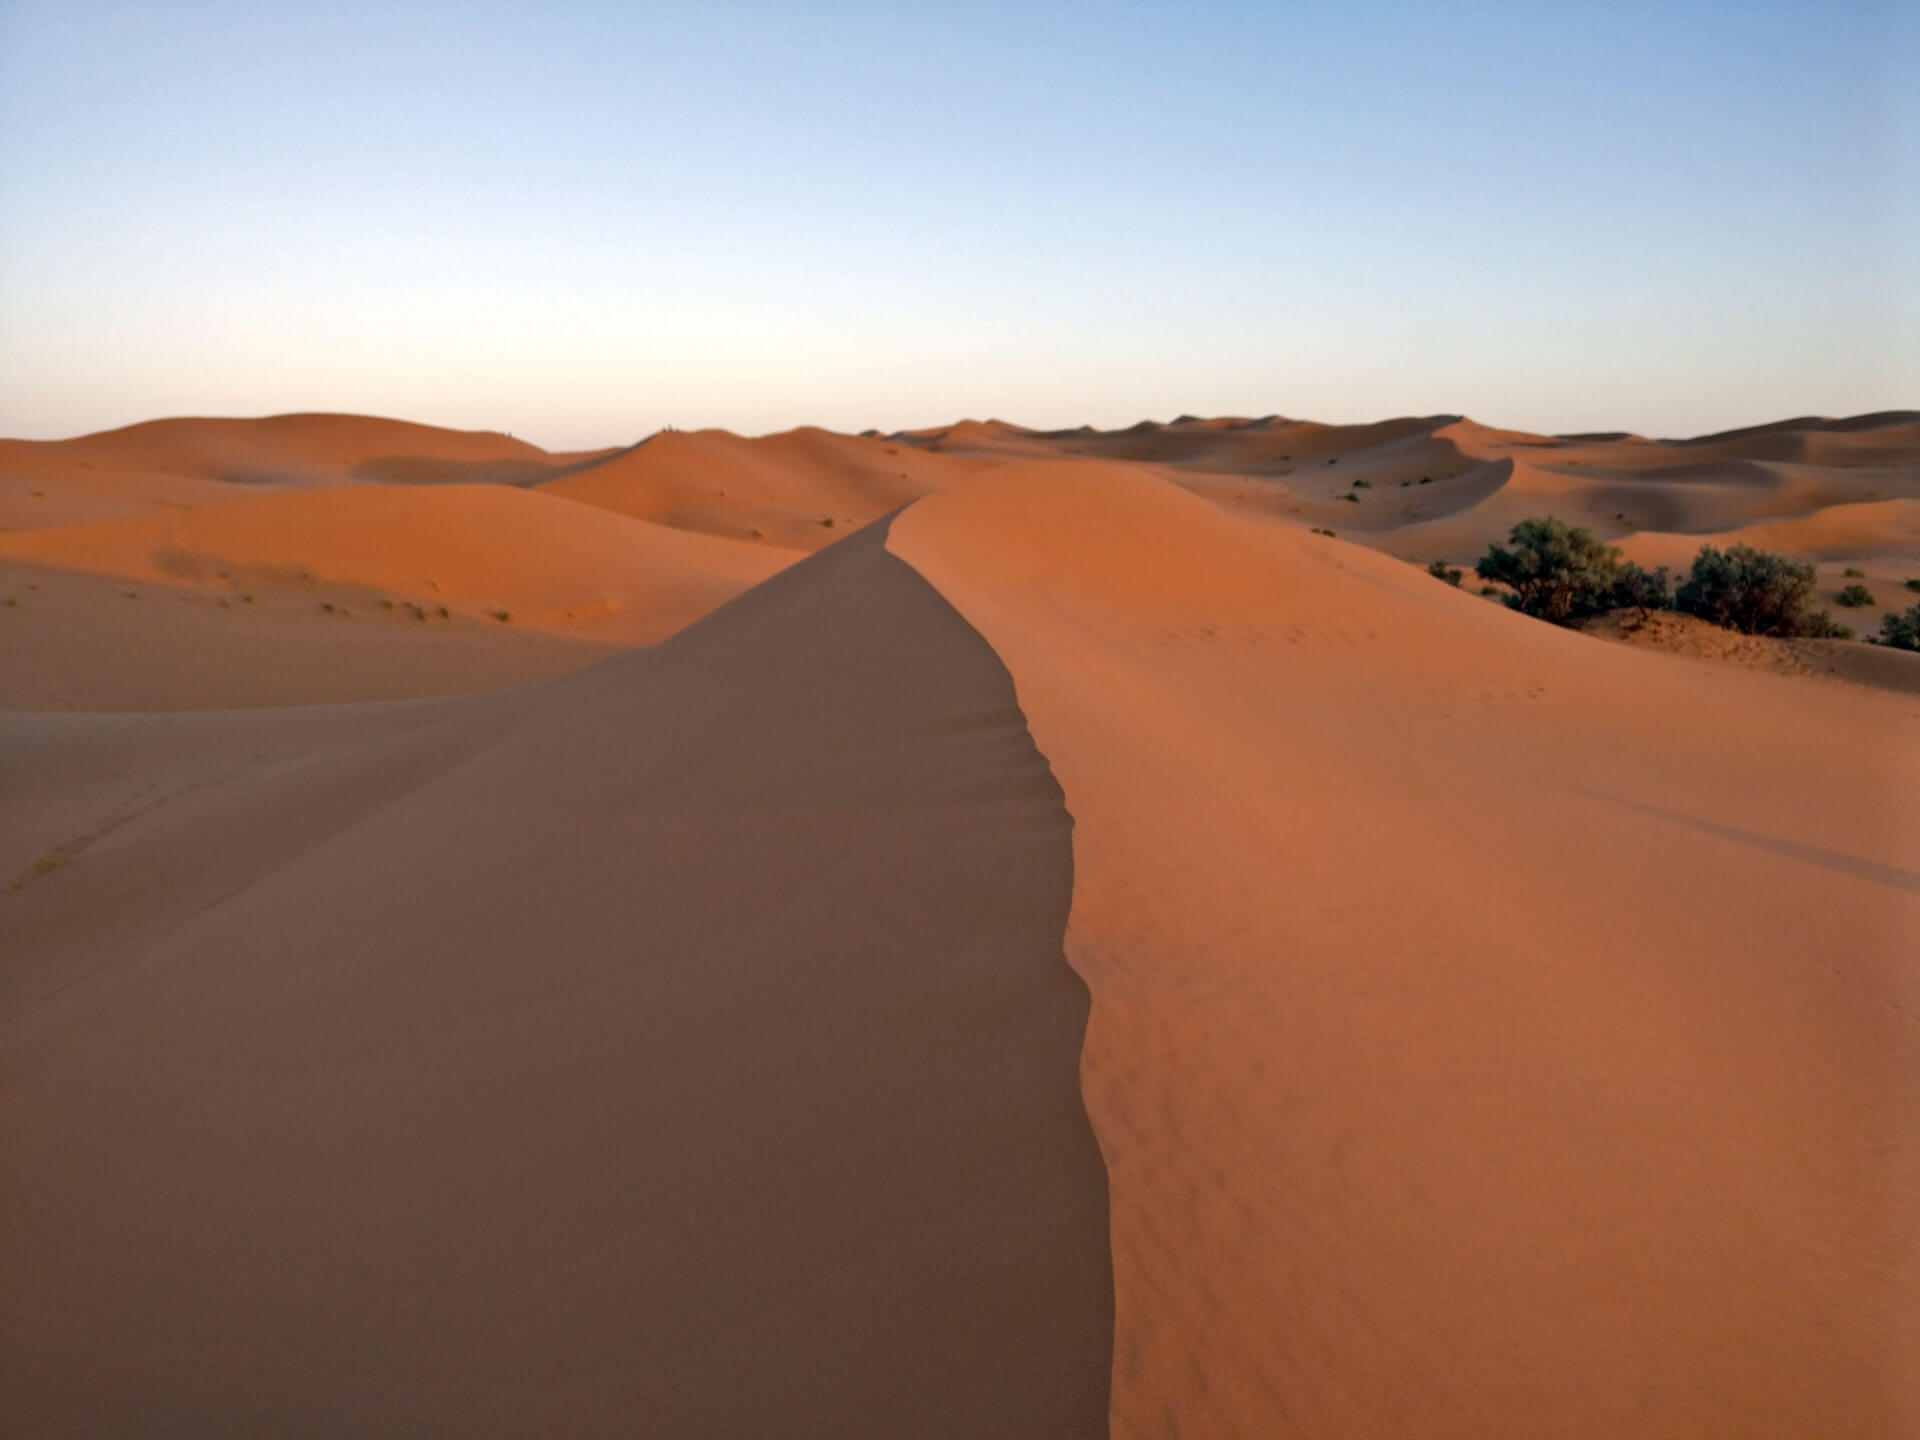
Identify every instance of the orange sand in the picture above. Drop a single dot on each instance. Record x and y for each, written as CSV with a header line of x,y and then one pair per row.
x,y
1495,1030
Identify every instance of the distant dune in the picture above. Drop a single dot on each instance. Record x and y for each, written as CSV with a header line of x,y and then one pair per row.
x,y
973,932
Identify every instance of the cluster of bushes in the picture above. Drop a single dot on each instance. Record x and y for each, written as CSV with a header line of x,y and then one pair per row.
x,y
1560,572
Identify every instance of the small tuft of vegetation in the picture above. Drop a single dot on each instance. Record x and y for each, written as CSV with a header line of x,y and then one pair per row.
x,y
503,616
827,520
44,864
1440,570
1854,596
445,614
1852,574
328,607
1351,498
1913,585
1318,531
1492,592
12,604
1333,460
1426,479
1362,484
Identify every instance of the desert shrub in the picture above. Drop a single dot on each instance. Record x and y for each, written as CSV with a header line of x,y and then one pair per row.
x,y
503,616
1328,533
1426,479
1822,626
1640,590
1440,570
1752,591
1556,571
1854,596
1351,496
1901,631
1913,585
1363,484
1491,591
1852,574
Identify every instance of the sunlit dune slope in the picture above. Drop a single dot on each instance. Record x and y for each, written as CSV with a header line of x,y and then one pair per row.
x,y
76,642
187,461
536,558
680,1048
1445,487
1495,1031
802,489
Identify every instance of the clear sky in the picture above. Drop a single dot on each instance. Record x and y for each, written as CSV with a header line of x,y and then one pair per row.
x,y
579,222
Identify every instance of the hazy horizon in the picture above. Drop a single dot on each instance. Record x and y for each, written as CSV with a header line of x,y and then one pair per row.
x,y
582,227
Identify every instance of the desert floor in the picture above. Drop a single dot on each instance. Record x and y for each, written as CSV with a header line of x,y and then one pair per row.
x,y
972,931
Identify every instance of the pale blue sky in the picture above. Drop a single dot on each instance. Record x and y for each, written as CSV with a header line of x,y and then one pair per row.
x,y
581,222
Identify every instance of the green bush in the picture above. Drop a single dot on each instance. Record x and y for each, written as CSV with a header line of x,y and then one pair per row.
x,y
1854,596
1556,571
1752,591
1913,585
1640,590
1850,573
1440,570
1901,631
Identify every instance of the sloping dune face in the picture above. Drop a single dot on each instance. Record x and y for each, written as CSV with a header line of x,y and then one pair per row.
x,y
545,560
1443,487
683,1048
1495,1032
169,463
802,489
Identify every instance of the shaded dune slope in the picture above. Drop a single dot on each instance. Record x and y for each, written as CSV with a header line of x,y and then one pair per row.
x,y
682,1048
1494,1031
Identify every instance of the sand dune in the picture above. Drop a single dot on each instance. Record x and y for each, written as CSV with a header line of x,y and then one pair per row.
x,y
174,463
1474,1049
684,1049
354,557
667,1010
544,560
1444,487
802,490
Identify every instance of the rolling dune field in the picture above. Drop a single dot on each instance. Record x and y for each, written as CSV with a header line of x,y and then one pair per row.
x,y
974,931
